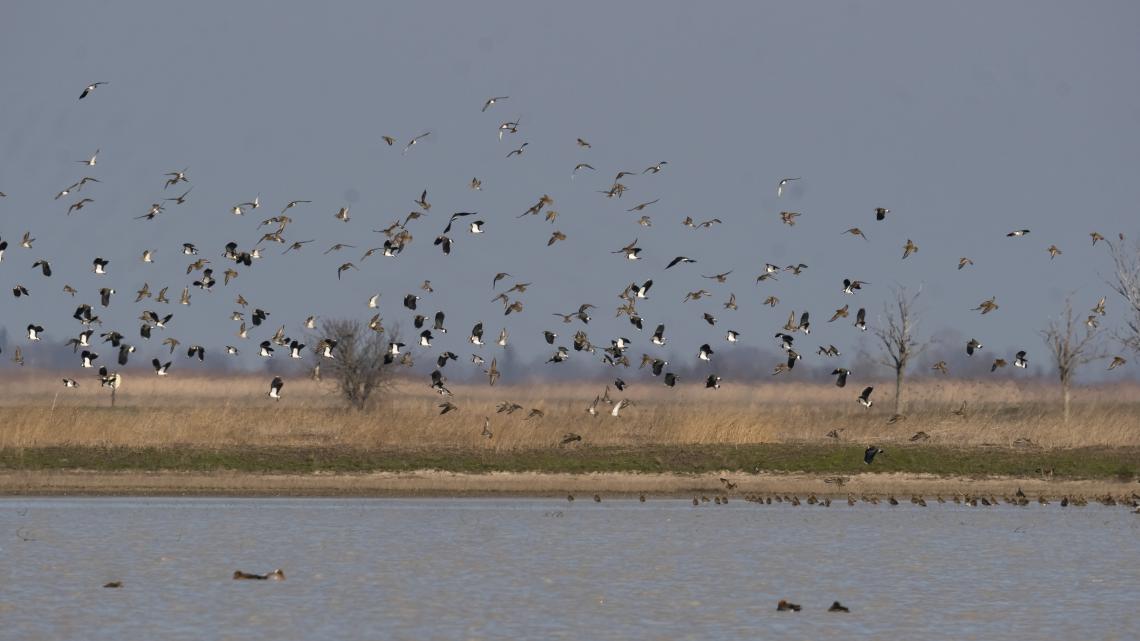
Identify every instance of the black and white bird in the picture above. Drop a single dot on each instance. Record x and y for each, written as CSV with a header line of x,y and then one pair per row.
x,y
865,397
438,324
641,291
840,374
1020,360
679,259
972,346
160,368
1017,233
295,349
70,382
705,353
425,338
850,286
491,101
275,388
88,89
732,336
88,358
99,265
713,382
671,379
861,319
265,349
783,183
869,454
476,337
631,251
34,332
658,337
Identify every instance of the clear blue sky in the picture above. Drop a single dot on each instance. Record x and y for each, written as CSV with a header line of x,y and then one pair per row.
x,y
967,120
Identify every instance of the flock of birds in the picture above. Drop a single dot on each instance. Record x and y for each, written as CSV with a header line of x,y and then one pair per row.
x,y
202,274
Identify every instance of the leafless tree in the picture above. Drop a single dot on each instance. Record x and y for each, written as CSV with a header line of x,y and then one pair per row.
x,y
1070,349
357,366
1126,282
897,335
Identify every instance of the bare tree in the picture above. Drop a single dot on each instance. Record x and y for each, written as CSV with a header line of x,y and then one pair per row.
x,y
357,365
1126,282
898,339
1069,349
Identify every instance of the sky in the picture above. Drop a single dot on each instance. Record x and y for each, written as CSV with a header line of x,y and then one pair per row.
x,y
967,120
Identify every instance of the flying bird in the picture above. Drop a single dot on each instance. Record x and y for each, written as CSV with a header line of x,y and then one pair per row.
x,y
89,88
783,183
491,101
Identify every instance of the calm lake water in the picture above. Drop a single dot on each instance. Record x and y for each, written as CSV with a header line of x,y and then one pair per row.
x,y
549,569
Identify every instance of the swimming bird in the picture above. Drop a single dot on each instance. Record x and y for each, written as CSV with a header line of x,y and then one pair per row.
x,y
276,575
836,606
787,606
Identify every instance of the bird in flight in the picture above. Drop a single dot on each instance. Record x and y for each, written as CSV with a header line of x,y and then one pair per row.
x,y
491,101
88,89
413,141
783,183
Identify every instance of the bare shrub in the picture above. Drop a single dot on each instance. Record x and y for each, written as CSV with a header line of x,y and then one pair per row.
x,y
357,366
1069,349
898,337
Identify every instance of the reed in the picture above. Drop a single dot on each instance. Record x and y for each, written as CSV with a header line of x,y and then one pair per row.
x,y
234,411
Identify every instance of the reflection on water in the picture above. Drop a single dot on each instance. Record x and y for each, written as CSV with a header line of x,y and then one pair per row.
x,y
548,569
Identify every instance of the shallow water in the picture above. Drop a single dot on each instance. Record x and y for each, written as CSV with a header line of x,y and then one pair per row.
x,y
549,569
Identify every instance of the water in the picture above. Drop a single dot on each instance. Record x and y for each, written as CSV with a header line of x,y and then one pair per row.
x,y
548,569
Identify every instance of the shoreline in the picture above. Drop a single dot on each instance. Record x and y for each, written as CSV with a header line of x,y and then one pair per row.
x,y
435,483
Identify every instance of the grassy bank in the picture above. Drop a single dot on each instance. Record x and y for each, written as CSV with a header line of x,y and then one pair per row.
x,y
1079,463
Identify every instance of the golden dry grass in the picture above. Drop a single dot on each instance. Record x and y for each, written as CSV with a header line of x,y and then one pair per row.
x,y
37,411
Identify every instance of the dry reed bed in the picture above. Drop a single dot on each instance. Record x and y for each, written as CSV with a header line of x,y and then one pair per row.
x,y
228,411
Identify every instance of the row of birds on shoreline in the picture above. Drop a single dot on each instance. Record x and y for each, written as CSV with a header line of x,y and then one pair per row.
x,y
398,237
